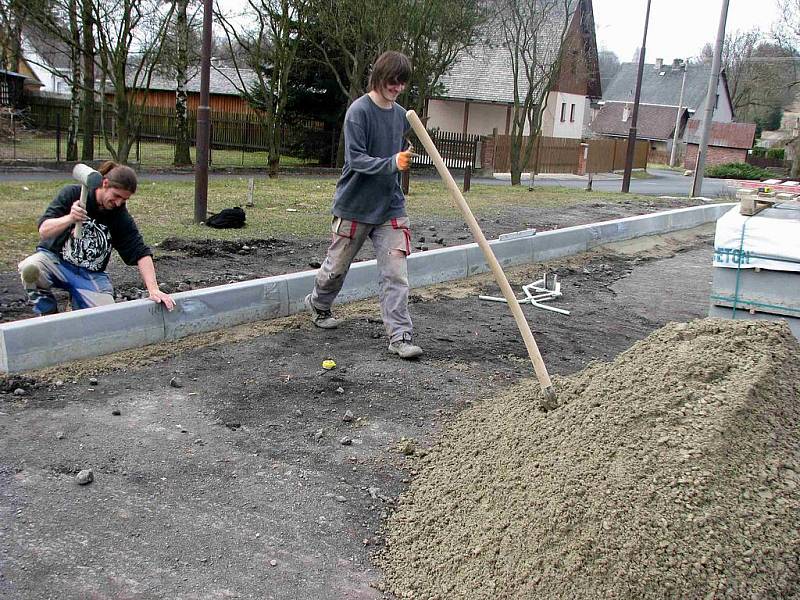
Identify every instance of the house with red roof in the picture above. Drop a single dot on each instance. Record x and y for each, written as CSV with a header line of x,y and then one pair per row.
x,y
662,106
727,142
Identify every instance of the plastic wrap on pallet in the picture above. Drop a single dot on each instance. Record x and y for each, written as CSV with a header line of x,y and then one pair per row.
x,y
768,240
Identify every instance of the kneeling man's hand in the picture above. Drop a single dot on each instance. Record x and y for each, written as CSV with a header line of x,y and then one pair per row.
x,y
162,298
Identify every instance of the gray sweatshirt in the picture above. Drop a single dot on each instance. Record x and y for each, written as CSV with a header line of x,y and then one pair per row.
x,y
369,189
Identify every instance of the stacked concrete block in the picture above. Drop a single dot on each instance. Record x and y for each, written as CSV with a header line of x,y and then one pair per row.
x,y
760,277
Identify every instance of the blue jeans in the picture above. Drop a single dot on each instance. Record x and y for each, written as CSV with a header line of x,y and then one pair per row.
x,y
86,288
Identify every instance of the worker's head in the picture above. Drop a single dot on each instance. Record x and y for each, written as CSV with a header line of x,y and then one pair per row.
x,y
119,184
390,74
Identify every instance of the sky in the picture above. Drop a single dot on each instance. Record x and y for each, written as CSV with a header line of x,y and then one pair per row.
x,y
678,28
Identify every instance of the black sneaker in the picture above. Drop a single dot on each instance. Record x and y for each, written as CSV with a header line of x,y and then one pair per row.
x,y
321,318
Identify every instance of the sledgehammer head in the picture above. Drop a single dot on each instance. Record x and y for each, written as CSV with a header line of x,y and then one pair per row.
x,y
87,176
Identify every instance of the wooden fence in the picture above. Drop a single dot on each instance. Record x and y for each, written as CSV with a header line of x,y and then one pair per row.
x,y
607,155
238,131
550,155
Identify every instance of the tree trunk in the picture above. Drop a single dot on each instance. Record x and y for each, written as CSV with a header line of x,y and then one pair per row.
x,y
87,104
515,155
75,87
182,154
352,94
274,157
795,171
124,138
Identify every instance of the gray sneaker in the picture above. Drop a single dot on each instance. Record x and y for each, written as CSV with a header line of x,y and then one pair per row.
x,y
404,348
321,318
30,274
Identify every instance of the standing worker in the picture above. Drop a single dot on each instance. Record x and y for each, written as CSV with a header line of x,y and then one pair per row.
x,y
77,264
369,203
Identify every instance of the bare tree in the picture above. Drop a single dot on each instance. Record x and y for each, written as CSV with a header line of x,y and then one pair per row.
x,y
11,20
56,28
608,65
130,36
88,57
350,34
736,53
533,32
181,54
787,34
438,32
269,41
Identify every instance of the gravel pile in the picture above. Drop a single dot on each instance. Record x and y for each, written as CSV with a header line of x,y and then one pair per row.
x,y
671,472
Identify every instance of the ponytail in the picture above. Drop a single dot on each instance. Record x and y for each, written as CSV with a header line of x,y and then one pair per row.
x,y
119,176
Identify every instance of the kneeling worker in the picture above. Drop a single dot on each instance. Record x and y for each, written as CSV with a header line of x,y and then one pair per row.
x,y
78,265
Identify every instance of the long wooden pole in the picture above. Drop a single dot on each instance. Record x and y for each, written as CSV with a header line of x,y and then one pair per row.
x,y
497,270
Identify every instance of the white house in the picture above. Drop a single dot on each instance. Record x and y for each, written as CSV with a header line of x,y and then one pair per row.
x,y
479,90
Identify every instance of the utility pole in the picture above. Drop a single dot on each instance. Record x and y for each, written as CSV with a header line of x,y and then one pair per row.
x,y
713,81
674,150
203,129
626,177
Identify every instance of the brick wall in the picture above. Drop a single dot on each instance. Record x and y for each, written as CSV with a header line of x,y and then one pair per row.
x,y
487,154
717,155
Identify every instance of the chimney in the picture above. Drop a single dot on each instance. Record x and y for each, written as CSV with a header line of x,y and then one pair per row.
x,y
677,64
659,64
626,111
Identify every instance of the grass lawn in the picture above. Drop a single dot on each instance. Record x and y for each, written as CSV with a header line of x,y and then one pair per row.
x,y
284,207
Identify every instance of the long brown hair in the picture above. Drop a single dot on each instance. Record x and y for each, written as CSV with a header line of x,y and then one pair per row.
x,y
119,176
390,67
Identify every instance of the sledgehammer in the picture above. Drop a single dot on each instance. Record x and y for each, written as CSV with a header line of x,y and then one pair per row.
x,y
497,270
87,177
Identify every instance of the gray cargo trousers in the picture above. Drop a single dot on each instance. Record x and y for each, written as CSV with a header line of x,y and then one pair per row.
x,y
392,243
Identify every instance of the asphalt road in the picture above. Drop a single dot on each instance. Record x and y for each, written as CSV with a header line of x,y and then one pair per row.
x,y
660,183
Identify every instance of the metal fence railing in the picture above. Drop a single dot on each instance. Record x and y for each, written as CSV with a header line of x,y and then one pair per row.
x,y
459,151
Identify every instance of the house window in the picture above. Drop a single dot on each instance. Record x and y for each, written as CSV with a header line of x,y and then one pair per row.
x,y
572,113
563,111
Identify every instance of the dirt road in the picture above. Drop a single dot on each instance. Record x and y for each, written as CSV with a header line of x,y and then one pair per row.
x,y
235,467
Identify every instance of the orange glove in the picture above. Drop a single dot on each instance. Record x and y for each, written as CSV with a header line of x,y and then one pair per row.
x,y
403,160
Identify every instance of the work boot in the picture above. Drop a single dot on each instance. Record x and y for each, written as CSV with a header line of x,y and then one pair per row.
x,y
321,318
30,274
404,348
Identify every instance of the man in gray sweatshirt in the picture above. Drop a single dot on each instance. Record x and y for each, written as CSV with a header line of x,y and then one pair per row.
x,y
369,203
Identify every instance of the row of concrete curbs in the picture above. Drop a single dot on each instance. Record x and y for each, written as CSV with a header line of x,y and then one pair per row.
x,y
41,342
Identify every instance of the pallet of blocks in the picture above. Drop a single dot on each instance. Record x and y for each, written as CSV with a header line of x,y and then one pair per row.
x,y
757,259
753,201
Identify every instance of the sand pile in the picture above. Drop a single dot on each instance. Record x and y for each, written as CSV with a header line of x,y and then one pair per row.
x,y
671,472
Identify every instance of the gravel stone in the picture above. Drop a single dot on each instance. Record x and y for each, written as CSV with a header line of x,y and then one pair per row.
x,y
84,477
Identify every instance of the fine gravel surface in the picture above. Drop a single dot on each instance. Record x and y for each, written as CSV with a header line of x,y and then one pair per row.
x,y
671,472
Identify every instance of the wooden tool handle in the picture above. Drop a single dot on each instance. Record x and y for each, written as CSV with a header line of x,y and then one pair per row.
x,y
497,270
79,226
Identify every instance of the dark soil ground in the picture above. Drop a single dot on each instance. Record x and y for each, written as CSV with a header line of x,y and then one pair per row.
x,y
183,264
230,465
